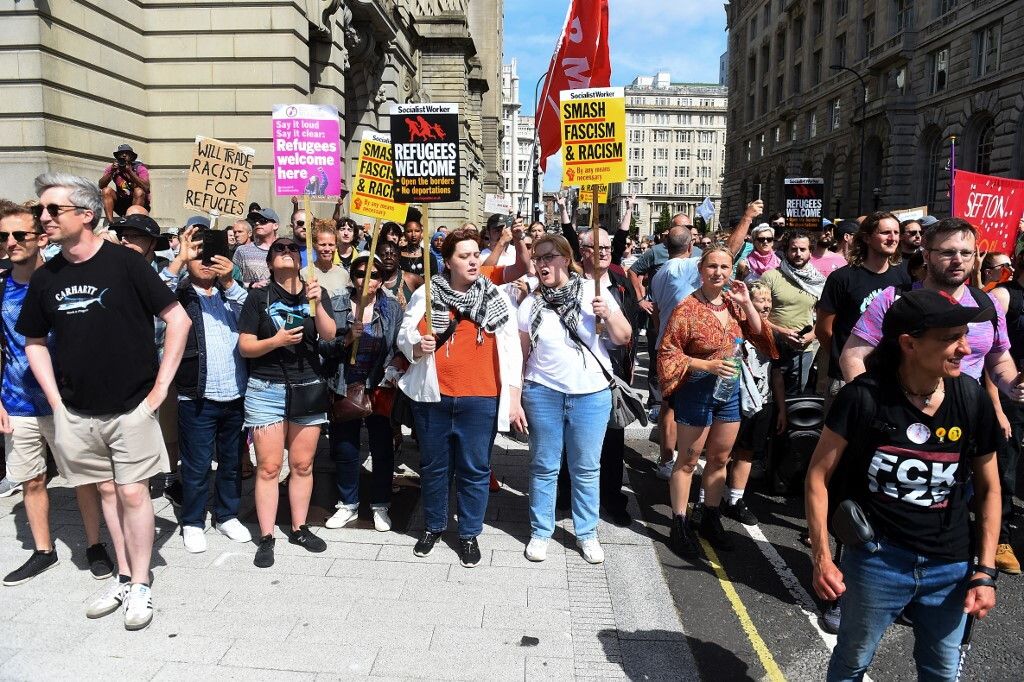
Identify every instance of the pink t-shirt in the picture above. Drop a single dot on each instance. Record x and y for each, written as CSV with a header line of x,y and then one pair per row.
x,y
828,262
979,334
121,181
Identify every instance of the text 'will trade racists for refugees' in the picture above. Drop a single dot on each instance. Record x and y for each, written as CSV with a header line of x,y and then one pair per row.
x,y
593,136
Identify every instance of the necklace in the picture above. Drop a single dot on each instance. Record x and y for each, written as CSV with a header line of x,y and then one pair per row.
x,y
716,307
927,396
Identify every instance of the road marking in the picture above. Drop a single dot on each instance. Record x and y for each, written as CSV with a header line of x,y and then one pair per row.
x,y
760,648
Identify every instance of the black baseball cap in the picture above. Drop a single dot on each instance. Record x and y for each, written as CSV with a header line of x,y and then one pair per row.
x,y
137,222
921,309
495,220
844,227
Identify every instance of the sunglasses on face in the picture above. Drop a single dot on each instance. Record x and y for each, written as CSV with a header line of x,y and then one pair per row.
x,y
360,274
19,236
54,209
284,248
260,221
300,223
997,266
764,240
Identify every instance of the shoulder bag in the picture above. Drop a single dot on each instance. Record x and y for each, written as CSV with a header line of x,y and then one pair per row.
x,y
300,400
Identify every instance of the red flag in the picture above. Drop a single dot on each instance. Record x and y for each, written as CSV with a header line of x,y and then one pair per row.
x,y
993,205
580,61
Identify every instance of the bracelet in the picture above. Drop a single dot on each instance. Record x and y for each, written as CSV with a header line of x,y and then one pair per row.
x,y
987,570
981,582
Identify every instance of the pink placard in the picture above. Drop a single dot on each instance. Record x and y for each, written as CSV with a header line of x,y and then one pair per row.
x,y
307,150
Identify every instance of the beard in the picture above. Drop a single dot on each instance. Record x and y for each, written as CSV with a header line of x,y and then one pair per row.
x,y
943,279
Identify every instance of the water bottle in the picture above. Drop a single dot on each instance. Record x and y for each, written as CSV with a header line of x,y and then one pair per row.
x,y
724,386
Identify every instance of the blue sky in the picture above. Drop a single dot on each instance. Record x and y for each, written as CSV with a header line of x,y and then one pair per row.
x,y
683,37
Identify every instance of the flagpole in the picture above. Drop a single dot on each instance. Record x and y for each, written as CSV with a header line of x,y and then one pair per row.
x,y
952,174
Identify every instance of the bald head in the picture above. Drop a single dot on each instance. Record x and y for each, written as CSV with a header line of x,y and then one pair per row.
x,y
678,241
680,219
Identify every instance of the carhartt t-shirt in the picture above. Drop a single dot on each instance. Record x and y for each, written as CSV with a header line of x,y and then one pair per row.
x,y
101,313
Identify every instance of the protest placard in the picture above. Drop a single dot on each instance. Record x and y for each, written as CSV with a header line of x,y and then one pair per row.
x,y
587,192
497,203
374,185
425,149
307,150
218,177
993,205
804,203
593,136
915,213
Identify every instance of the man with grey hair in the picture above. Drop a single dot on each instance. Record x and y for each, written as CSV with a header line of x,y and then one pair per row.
x,y
95,294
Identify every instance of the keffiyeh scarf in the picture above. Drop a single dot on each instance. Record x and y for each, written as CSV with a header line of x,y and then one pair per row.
x,y
565,301
481,304
807,278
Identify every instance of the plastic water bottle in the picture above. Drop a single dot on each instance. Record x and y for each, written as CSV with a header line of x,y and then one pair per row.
x,y
724,386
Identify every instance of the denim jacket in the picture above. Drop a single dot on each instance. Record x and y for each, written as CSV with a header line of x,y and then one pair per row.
x,y
387,316
190,379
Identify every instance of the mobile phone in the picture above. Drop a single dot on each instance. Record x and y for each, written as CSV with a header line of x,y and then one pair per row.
x,y
293,320
806,330
509,220
215,243
758,191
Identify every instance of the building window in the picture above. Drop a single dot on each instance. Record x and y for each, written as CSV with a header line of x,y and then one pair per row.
x,y
747,147
940,67
839,50
946,6
936,162
776,131
760,144
812,124
835,113
818,17
768,14
816,66
792,130
798,32
842,7
986,49
983,157
780,91
780,47
797,76
903,11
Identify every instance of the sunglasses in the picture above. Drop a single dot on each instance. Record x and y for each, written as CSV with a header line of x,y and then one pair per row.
x,y
260,221
360,274
764,240
19,236
300,223
284,248
54,209
997,266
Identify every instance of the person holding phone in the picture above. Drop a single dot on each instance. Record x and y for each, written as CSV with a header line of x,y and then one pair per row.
x,y
280,337
131,186
695,351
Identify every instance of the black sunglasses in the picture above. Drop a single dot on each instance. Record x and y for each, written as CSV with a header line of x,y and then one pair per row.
x,y
54,209
300,223
285,247
764,240
260,221
360,274
19,236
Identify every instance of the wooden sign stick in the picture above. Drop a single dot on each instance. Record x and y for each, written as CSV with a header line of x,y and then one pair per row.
x,y
426,270
595,241
310,271
366,284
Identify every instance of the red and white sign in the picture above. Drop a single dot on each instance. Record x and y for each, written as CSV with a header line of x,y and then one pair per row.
x,y
993,205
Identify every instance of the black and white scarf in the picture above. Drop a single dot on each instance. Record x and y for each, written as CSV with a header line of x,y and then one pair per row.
x,y
807,278
565,301
481,304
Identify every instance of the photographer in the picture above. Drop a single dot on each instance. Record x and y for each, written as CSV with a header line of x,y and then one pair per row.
x,y
131,183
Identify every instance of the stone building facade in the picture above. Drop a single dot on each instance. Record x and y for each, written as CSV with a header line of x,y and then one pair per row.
x,y
676,141
518,135
932,71
81,78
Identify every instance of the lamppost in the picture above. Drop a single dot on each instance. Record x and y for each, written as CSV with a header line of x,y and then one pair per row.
x,y
877,192
839,201
863,125
535,213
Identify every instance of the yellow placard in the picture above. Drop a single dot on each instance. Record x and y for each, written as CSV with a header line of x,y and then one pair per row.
x,y
587,191
372,194
593,136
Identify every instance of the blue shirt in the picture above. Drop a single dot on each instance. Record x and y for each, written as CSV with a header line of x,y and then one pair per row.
x,y
20,393
675,280
225,368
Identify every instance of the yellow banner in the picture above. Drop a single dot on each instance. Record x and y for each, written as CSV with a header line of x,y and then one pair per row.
x,y
593,136
372,196
587,194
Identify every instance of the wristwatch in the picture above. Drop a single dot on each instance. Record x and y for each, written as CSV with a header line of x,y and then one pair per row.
x,y
989,581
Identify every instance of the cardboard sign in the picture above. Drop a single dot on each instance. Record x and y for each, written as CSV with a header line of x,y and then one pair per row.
x,y
593,136
993,205
307,150
915,213
804,203
374,183
218,177
425,147
497,203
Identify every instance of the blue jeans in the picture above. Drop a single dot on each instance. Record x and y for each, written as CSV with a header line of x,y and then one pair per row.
x,y
878,587
577,423
456,433
345,452
207,428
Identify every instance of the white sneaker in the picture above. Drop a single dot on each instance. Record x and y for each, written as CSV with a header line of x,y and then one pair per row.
x,y
235,531
591,551
194,539
8,487
664,471
341,517
537,549
138,607
108,602
381,519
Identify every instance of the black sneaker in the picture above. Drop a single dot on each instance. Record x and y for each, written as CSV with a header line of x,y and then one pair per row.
x,y
830,617
303,537
711,530
739,512
425,544
681,539
697,514
100,564
36,564
469,552
264,552
173,492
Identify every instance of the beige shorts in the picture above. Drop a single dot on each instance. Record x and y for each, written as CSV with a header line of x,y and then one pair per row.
x,y
25,448
127,448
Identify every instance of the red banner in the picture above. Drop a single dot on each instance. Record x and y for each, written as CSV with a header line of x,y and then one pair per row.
x,y
580,61
993,205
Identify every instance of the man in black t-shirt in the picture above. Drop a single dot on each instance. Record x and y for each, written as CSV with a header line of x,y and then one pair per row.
x,y
98,295
902,441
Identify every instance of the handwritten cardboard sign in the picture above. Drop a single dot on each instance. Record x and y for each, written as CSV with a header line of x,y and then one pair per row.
x,y
218,177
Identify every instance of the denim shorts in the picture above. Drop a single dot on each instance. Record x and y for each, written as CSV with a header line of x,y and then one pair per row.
x,y
695,405
264,405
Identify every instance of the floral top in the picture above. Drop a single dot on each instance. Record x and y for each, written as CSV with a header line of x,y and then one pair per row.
x,y
693,331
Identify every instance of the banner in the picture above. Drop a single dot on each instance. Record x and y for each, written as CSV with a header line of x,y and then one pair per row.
x,y
218,177
580,61
915,213
374,184
593,136
804,203
425,146
497,203
307,150
993,205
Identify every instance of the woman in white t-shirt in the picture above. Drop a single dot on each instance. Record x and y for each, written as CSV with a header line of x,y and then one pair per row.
x,y
565,391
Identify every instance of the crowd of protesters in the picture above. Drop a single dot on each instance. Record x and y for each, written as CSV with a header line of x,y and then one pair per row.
x,y
910,338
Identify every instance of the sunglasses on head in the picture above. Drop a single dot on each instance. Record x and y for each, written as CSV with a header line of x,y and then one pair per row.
x,y
54,209
360,274
284,247
19,236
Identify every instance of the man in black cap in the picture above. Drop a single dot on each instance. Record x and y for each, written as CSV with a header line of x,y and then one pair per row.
x,y
901,445
141,234
131,183
251,258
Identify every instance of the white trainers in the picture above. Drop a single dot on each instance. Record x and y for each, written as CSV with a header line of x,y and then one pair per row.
x,y
194,539
664,471
108,602
591,551
341,517
537,549
381,519
235,531
138,607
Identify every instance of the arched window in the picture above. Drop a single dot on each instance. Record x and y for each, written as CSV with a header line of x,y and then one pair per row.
x,y
983,151
932,164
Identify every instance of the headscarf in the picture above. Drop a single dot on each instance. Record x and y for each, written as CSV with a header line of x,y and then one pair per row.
x,y
436,251
481,304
